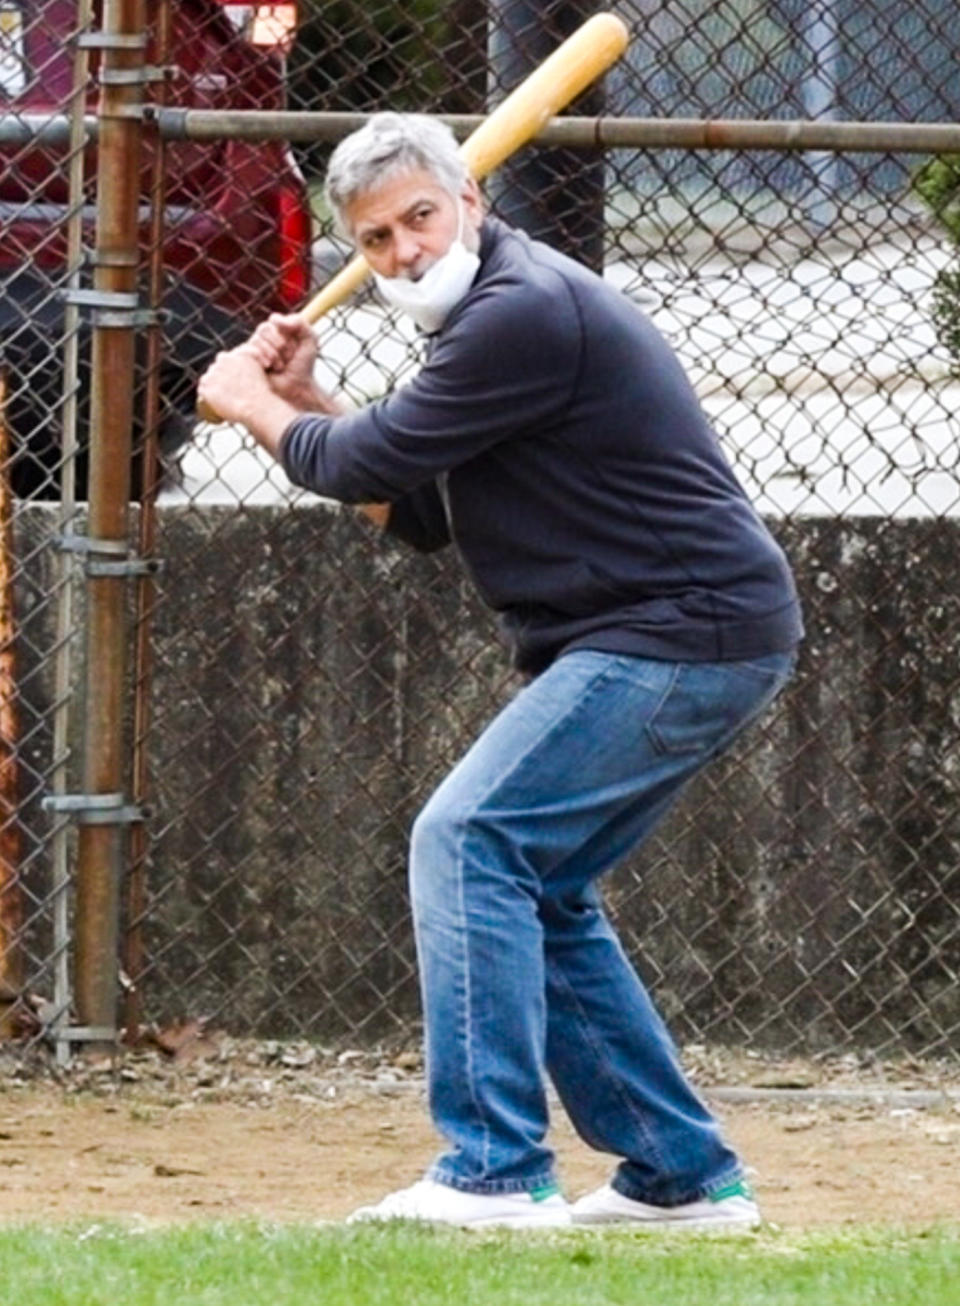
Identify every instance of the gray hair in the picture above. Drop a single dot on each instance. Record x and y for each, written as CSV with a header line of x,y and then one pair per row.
x,y
388,145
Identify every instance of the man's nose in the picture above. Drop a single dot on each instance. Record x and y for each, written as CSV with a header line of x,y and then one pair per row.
x,y
406,250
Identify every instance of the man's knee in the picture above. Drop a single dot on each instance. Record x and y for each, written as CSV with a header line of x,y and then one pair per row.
x,y
434,837
455,841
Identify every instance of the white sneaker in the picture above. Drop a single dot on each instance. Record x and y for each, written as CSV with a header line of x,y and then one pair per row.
x,y
441,1204
731,1209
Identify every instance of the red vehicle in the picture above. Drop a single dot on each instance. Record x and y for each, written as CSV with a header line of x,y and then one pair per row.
x,y
236,214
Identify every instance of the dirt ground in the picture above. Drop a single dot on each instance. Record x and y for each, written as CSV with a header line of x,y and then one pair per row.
x,y
268,1133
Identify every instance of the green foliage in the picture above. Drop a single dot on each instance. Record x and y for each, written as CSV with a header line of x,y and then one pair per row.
x,y
247,1264
938,185
946,311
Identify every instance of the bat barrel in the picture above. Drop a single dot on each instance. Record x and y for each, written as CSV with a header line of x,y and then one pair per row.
x,y
570,69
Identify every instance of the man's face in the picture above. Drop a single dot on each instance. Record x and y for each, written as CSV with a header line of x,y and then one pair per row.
x,y
405,225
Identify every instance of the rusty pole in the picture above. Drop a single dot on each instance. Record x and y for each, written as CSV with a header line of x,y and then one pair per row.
x,y
570,131
100,843
576,132
136,898
11,901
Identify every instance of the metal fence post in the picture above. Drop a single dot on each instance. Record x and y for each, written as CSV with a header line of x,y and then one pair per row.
x,y
11,900
64,710
136,898
115,319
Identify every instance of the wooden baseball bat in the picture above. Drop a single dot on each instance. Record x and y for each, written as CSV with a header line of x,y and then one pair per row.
x,y
570,69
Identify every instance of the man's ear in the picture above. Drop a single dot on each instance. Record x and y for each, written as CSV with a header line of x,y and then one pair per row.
x,y
473,202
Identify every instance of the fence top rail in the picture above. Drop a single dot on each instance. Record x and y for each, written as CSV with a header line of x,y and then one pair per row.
x,y
598,132
573,132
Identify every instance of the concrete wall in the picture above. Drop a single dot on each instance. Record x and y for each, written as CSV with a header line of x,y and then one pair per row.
x,y
312,684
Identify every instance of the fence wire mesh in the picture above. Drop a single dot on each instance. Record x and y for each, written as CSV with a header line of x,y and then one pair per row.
x,y
310,683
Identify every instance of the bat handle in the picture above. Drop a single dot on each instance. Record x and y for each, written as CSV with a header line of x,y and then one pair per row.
x,y
205,413
339,288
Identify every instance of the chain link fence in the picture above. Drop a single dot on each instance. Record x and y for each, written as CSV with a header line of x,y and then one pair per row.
x,y
299,685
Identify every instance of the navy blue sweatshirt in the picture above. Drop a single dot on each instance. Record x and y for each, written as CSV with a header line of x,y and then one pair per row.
x,y
553,436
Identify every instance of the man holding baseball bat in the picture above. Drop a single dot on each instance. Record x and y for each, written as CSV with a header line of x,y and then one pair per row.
x,y
553,438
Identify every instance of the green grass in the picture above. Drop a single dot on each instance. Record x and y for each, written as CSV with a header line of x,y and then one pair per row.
x,y
262,1265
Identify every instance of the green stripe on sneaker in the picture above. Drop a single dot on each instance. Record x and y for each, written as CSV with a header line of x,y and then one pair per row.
x,y
738,1188
541,1194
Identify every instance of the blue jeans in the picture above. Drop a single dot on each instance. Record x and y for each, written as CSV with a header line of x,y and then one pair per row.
x,y
521,974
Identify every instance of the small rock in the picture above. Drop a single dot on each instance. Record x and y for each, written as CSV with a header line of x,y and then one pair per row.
x,y
798,1123
299,1057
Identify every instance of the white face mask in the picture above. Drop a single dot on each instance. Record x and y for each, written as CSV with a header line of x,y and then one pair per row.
x,y
431,299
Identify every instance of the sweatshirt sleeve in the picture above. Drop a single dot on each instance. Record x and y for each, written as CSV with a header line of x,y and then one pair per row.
x,y
506,364
420,519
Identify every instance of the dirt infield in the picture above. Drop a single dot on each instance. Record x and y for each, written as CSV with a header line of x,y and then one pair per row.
x,y
277,1138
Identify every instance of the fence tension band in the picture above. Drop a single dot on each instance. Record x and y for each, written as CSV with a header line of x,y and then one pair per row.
x,y
104,258
114,308
111,40
128,567
115,299
108,557
138,76
90,544
122,113
140,317
86,1034
95,809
